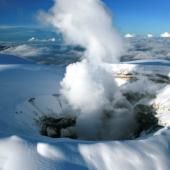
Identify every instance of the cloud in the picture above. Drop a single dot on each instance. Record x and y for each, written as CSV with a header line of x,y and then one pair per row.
x,y
42,40
32,39
23,51
149,35
129,35
147,48
165,35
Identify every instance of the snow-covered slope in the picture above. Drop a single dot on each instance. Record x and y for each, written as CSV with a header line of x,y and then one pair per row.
x,y
10,59
20,82
29,91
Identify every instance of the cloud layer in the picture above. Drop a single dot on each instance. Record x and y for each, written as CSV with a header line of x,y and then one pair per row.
x,y
165,35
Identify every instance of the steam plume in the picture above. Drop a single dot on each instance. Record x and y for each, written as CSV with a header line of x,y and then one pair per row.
x,y
88,86
89,24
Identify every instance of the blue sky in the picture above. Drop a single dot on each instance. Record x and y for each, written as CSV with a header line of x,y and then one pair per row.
x,y
141,16
134,16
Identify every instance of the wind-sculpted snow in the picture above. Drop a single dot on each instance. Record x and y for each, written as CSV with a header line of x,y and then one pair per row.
x,y
64,154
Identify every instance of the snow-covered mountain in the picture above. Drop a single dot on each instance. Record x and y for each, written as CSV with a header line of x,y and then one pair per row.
x,y
29,92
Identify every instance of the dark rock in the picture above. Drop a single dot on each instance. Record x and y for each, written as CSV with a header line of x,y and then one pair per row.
x,y
31,100
145,117
158,78
133,97
52,127
3,47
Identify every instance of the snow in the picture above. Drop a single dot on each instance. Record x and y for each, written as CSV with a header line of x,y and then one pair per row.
x,y
162,103
23,148
151,153
10,59
20,82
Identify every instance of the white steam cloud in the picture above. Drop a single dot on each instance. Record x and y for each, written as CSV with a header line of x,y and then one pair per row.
x,y
89,24
88,86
